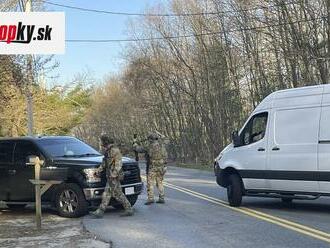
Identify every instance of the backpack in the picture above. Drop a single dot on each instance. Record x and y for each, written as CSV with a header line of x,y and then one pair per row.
x,y
157,151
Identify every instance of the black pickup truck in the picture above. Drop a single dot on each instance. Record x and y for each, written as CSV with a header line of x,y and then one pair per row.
x,y
66,159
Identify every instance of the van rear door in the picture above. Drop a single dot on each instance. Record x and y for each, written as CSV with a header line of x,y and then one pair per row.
x,y
293,146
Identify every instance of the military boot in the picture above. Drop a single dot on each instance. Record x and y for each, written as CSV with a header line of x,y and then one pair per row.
x,y
97,213
160,201
149,202
128,212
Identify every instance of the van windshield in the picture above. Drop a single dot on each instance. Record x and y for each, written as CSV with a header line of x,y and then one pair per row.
x,y
67,147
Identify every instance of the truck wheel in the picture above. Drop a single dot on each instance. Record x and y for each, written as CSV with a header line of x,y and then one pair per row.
x,y
70,201
132,200
234,190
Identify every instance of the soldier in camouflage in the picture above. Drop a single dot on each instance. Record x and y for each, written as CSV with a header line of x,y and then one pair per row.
x,y
158,156
113,165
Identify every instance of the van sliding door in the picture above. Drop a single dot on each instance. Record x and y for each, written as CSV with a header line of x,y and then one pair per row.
x,y
292,164
324,150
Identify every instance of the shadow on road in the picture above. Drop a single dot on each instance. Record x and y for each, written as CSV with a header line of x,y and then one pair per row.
x,y
297,206
7,213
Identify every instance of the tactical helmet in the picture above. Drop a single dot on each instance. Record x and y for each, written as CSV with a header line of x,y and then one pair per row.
x,y
106,140
153,136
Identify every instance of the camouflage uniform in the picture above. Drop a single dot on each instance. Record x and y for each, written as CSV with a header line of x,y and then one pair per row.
x,y
113,166
157,170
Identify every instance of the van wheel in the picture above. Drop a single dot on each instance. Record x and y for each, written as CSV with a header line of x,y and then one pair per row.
x,y
234,190
70,201
132,200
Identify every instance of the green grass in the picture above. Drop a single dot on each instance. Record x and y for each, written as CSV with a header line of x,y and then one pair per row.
x,y
205,167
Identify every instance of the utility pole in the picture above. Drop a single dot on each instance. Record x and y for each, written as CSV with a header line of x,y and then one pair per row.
x,y
29,96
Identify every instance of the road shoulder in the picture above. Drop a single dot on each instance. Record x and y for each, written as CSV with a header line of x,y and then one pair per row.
x,y
17,229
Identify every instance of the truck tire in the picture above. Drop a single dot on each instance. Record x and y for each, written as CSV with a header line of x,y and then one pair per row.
x,y
132,200
234,190
70,201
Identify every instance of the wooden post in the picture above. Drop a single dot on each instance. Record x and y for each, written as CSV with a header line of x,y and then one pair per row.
x,y
38,192
41,186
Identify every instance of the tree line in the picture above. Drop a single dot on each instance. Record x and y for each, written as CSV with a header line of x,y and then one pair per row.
x,y
56,110
196,77
200,81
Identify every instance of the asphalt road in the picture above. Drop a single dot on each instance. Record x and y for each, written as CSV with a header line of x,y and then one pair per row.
x,y
196,215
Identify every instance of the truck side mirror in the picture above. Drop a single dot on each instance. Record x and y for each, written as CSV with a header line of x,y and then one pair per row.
x,y
32,160
236,139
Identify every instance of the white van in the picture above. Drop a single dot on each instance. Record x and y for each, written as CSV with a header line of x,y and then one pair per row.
x,y
283,149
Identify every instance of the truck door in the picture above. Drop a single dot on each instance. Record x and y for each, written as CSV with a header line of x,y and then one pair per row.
x,y
21,188
293,149
6,162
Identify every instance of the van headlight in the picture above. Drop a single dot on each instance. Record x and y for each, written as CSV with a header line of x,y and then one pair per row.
x,y
218,157
92,175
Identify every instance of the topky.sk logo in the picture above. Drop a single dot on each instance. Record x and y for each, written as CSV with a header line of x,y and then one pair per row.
x,y
32,33
21,33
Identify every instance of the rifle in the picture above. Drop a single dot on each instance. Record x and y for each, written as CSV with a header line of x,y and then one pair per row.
x,y
146,154
135,140
106,162
147,157
135,152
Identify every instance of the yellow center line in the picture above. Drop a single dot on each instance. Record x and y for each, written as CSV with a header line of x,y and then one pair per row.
x,y
261,213
312,232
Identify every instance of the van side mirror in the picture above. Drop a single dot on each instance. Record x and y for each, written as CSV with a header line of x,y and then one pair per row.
x,y
236,139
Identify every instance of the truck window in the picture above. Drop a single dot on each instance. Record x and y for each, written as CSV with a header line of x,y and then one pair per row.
x,y
297,126
23,149
66,147
6,152
255,129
